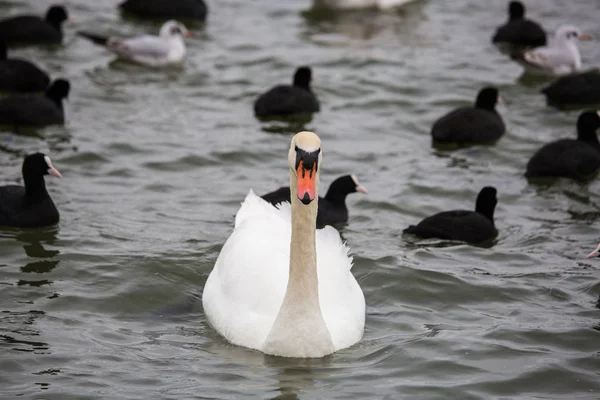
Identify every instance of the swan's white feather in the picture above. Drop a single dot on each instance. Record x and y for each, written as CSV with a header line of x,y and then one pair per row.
x,y
245,290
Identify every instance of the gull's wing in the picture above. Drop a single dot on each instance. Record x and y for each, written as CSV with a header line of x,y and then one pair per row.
x,y
140,47
550,58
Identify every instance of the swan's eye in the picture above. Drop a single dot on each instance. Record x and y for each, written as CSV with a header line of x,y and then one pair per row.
x,y
307,159
572,34
175,31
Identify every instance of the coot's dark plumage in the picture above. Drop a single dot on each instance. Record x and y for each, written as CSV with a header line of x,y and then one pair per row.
x,y
332,208
471,125
166,9
283,100
519,31
20,75
580,89
29,206
577,158
35,110
468,226
29,29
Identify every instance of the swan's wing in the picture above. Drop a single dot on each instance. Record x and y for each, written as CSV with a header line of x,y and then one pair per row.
x,y
254,206
340,296
550,58
253,261
140,47
332,249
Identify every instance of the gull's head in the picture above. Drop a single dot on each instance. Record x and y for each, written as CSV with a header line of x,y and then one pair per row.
x,y
570,33
304,158
172,29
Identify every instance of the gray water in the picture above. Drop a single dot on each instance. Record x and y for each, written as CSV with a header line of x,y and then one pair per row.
x,y
156,163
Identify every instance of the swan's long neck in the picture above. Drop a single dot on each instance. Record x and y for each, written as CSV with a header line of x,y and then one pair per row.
x,y
303,282
299,326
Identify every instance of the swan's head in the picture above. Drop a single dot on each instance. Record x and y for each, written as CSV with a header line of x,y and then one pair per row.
x,y
304,159
570,33
172,29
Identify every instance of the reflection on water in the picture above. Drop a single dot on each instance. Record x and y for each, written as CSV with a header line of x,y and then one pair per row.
x,y
16,327
363,24
284,129
295,380
34,241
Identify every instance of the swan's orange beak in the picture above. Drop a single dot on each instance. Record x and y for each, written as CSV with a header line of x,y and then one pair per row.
x,y
306,182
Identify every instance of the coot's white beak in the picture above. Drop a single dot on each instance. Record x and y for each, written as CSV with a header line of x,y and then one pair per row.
x,y
51,169
54,171
359,188
594,253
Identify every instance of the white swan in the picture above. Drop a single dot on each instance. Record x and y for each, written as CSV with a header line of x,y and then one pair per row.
x,y
279,285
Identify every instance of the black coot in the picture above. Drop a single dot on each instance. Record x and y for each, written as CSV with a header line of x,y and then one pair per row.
x,y
480,124
31,30
35,110
20,75
577,159
575,90
287,100
30,206
332,208
467,226
166,9
519,31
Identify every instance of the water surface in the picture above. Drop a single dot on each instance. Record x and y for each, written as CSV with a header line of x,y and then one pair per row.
x,y
156,163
